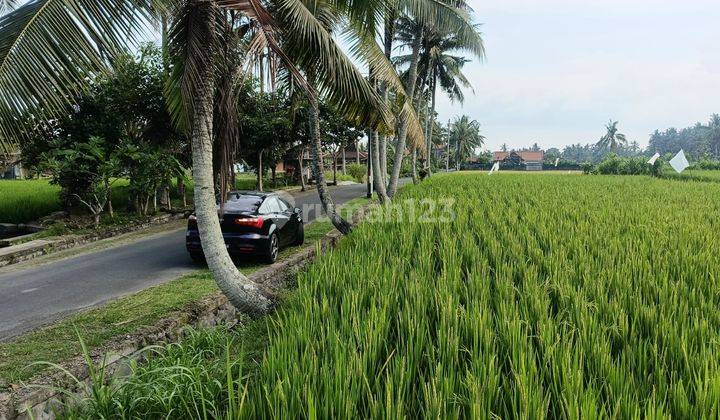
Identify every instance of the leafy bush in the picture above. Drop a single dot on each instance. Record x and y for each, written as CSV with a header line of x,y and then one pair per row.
x,y
587,167
707,165
610,165
358,172
616,165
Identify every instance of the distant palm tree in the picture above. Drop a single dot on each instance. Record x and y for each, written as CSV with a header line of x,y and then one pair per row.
x,y
438,65
504,147
465,135
612,138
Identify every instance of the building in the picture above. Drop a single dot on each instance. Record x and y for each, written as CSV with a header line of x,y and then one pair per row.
x,y
529,160
10,166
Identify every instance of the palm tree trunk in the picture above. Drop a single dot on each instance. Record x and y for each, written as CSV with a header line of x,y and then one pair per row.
x,y
319,170
414,166
389,36
244,294
260,171
335,165
302,170
402,131
382,144
432,122
378,179
344,166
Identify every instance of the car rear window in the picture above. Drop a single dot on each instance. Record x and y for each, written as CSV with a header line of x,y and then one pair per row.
x,y
244,203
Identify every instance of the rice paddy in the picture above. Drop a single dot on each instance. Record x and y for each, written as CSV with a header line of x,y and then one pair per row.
x,y
694,175
27,200
545,297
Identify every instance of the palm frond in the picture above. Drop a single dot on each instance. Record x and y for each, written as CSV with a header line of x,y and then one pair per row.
x,y
447,17
311,46
8,5
192,46
49,49
364,47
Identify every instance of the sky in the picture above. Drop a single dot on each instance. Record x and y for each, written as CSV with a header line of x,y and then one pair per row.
x,y
557,70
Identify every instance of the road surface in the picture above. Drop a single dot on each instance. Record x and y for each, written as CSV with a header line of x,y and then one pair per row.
x,y
37,296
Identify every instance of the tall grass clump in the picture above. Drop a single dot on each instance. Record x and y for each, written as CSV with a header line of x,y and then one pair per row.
x,y
23,201
544,297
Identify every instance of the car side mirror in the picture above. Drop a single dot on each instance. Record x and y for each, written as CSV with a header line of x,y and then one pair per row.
x,y
297,210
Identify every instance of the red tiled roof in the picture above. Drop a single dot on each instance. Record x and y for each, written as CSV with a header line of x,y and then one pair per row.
x,y
527,156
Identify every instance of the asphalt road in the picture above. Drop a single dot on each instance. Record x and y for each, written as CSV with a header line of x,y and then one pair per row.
x,y
39,295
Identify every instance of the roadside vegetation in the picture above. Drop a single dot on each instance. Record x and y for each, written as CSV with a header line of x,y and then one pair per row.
x,y
553,296
59,341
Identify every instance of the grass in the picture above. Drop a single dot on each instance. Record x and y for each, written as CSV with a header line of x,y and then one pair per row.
x,y
26,200
554,296
58,342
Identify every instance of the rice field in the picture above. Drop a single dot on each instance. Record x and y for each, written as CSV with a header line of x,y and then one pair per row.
x,y
693,175
23,201
546,297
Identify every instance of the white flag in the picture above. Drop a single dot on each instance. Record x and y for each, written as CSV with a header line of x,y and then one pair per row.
x,y
654,159
557,161
495,168
679,162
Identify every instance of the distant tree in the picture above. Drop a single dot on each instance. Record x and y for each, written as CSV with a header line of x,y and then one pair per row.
x,y
465,137
504,147
612,139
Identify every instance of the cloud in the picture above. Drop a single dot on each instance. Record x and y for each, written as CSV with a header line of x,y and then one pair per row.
x,y
557,70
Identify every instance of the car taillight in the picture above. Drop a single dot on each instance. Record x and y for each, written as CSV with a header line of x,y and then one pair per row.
x,y
256,222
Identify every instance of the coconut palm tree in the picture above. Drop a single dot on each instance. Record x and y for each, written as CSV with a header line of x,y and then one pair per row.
x,y
612,138
411,31
439,64
51,49
465,135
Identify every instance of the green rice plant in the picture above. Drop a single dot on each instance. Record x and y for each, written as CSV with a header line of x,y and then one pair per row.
x,y
23,201
693,175
543,297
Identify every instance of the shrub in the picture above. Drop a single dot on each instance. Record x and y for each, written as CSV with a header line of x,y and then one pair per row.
x,y
358,172
587,167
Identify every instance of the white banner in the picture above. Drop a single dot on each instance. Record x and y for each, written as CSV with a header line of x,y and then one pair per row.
x,y
495,168
654,159
679,162
557,162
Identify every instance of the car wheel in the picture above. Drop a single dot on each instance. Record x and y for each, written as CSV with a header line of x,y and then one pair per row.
x,y
273,249
300,235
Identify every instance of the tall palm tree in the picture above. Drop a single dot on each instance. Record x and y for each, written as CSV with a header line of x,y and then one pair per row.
x,y
411,33
50,49
437,64
612,138
465,135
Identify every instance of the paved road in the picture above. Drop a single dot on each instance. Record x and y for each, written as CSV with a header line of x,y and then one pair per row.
x,y
36,296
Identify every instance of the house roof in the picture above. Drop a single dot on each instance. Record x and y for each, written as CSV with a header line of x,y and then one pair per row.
x,y
527,156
